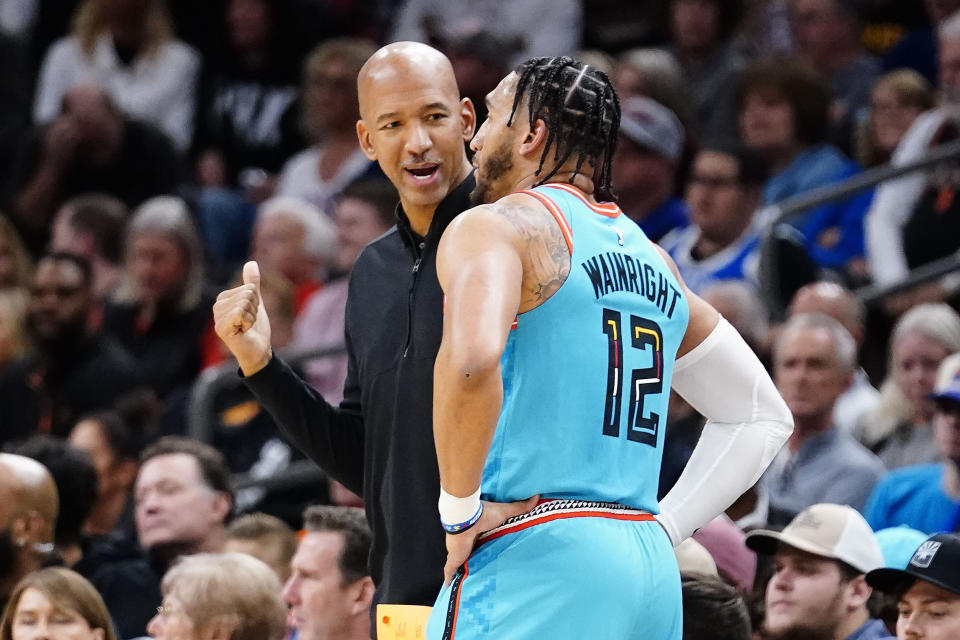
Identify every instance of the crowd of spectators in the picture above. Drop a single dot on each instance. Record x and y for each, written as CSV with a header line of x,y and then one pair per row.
x,y
148,148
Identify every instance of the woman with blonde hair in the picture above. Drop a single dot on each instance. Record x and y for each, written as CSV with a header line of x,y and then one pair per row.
x,y
899,429
896,101
328,118
231,596
129,48
55,604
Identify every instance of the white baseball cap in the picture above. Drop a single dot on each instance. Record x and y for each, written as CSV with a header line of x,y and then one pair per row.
x,y
833,531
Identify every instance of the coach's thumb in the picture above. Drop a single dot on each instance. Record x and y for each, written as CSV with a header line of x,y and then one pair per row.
x,y
251,274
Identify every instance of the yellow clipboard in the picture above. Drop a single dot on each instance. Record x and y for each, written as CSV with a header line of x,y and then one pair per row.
x,y
402,622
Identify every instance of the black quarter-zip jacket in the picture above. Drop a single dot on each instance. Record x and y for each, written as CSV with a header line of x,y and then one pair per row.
x,y
379,442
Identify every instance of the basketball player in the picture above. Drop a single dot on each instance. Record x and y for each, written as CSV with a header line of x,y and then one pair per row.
x,y
564,329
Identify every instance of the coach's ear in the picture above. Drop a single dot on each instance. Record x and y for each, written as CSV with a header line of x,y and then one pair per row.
x,y
535,139
363,136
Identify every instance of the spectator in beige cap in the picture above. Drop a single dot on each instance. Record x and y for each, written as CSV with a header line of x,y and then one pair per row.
x,y
818,589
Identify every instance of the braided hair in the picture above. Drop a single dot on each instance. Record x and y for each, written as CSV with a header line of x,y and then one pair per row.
x,y
582,113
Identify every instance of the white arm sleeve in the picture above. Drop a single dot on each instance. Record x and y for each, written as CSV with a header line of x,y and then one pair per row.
x,y
747,424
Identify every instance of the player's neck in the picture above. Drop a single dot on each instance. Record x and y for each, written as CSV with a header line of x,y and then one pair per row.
x,y
578,180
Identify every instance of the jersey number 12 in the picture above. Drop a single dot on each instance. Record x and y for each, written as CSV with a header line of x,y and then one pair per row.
x,y
644,334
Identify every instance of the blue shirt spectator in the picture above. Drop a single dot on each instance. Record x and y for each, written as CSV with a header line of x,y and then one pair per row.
x,y
723,193
833,232
914,496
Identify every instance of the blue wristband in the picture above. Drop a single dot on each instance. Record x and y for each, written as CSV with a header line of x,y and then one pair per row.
x,y
463,526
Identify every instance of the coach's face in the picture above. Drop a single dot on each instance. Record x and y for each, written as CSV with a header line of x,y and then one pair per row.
x,y
414,124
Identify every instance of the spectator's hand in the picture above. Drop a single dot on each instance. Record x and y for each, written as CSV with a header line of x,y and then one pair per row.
x,y
241,322
460,545
211,169
61,140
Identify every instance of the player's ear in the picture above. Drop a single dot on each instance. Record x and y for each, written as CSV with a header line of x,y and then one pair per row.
x,y
468,118
535,138
366,144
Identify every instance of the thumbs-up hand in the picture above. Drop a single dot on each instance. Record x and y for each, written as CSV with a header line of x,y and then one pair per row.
x,y
242,323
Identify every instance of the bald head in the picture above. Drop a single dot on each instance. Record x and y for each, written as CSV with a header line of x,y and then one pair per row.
x,y
414,124
832,300
26,485
403,63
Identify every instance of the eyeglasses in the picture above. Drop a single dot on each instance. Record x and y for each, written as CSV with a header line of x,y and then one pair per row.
x,y
715,182
167,610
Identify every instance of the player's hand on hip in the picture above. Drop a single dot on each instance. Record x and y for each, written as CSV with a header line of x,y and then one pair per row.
x,y
241,321
461,545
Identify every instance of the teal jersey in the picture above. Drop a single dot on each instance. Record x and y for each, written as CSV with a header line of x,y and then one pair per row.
x,y
586,375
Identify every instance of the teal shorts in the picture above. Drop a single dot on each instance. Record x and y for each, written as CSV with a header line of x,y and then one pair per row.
x,y
567,570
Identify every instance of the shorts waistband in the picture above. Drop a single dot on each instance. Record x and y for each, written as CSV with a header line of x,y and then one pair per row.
x,y
559,509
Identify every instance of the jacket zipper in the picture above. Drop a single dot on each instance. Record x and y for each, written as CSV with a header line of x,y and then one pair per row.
x,y
413,284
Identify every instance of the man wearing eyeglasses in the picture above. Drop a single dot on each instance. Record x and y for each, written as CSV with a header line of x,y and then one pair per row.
x,y
722,241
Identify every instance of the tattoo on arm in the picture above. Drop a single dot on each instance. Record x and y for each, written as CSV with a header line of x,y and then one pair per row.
x,y
546,259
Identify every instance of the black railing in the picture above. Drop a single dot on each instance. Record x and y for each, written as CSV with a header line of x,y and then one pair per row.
x,y
785,210
201,415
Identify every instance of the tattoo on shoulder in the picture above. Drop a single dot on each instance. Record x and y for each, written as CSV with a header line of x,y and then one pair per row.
x,y
547,258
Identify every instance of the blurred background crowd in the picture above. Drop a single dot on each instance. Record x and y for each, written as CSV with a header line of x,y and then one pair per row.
x,y
148,148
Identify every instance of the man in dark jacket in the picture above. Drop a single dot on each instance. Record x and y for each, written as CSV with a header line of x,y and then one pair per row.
x,y
379,442
72,370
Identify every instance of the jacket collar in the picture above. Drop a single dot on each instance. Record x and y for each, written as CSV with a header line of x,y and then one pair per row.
x,y
456,202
